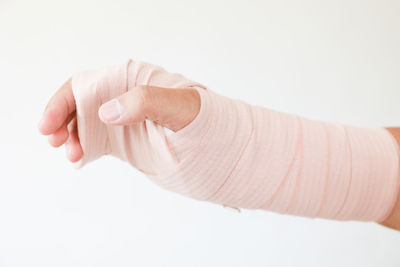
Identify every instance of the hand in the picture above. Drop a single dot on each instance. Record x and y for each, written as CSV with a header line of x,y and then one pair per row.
x,y
170,107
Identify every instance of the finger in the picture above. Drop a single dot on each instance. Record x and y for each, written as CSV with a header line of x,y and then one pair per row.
x,y
128,108
169,107
60,136
72,146
61,104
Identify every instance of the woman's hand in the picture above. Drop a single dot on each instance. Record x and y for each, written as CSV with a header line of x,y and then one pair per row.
x,y
169,107
228,157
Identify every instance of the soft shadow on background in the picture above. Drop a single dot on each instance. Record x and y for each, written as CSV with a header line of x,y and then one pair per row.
x,y
332,60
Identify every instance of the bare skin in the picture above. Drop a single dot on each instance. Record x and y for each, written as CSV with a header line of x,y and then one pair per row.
x,y
393,220
169,107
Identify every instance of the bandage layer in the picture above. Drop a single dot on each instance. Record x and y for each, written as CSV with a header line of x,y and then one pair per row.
x,y
241,155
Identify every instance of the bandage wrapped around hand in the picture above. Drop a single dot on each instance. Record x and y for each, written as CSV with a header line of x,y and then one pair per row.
x,y
241,155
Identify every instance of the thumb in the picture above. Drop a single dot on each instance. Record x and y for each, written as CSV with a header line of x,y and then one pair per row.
x,y
173,108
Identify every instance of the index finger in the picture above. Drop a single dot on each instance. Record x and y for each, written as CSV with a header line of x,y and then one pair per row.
x,y
60,105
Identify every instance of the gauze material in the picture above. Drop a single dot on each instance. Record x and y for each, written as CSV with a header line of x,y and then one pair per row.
x,y
241,155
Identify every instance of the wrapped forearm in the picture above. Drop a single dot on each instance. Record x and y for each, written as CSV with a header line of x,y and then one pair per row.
x,y
241,155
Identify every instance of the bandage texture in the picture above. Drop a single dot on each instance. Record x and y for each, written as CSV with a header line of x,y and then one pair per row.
x,y
241,155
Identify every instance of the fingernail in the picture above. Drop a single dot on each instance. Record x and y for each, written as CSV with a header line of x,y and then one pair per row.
x,y
111,111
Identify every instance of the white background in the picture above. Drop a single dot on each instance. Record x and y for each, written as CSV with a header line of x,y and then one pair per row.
x,y
331,60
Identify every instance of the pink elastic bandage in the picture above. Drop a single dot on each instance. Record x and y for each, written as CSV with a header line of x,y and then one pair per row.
x,y
244,156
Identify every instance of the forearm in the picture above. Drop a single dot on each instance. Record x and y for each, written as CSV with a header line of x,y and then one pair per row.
x,y
393,220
